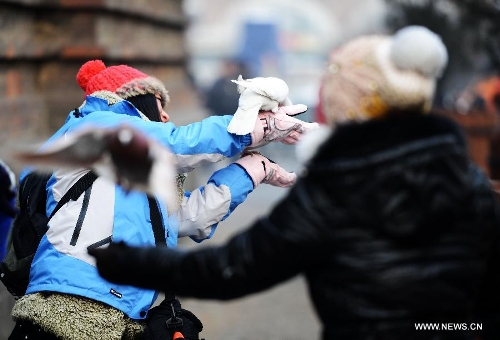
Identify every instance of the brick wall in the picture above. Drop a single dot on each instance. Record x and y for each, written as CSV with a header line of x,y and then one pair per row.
x,y
44,42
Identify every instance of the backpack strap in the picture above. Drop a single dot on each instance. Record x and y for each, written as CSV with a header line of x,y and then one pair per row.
x,y
156,222
86,181
159,232
75,191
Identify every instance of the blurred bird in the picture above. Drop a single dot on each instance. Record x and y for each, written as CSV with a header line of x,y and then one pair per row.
x,y
122,154
261,93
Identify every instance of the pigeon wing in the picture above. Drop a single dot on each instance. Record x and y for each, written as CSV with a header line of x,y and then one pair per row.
x,y
123,155
79,149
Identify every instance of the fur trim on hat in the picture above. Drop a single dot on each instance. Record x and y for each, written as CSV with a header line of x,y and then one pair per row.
x,y
147,85
123,80
111,97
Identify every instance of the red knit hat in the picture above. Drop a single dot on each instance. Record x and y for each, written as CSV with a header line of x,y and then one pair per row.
x,y
123,80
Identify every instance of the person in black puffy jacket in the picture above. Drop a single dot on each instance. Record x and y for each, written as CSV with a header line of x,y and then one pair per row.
x,y
392,224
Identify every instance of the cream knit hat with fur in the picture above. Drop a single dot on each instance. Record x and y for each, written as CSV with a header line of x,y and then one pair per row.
x,y
371,76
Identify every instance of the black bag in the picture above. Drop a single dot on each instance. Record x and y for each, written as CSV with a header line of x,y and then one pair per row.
x,y
169,317
30,225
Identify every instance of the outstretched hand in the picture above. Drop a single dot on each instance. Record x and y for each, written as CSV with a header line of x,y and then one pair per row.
x,y
282,126
263,170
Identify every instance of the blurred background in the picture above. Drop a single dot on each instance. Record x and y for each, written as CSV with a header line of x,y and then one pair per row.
x,y
195,47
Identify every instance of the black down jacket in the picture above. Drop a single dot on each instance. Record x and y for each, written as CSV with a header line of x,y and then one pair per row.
x,y
392,226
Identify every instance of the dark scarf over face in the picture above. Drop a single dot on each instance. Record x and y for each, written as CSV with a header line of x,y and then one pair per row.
x,y
146,103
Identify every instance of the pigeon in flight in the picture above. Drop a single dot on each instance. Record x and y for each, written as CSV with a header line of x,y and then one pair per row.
x,y
261,93
122,154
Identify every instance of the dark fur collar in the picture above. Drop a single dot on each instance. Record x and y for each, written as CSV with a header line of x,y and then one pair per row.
x,y
357,140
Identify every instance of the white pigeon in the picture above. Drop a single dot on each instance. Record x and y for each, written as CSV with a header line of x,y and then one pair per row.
x,y
260,93
122,154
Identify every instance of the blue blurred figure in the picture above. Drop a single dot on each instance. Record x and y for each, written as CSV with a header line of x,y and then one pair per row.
x,y
222,97
8,208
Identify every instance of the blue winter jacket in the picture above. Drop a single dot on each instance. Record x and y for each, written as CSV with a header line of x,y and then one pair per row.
x,y
107,213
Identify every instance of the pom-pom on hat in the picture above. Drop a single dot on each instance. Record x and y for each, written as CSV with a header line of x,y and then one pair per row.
x,y
123,80
371,76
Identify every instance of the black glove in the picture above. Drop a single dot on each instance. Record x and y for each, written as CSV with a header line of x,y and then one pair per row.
x,y
145,267
7,191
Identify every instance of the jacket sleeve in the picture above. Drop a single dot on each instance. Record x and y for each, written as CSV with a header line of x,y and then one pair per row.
x,y
271,251
202,209
196,144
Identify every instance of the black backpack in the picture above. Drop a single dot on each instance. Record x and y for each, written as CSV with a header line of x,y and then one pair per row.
x,y
30,225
